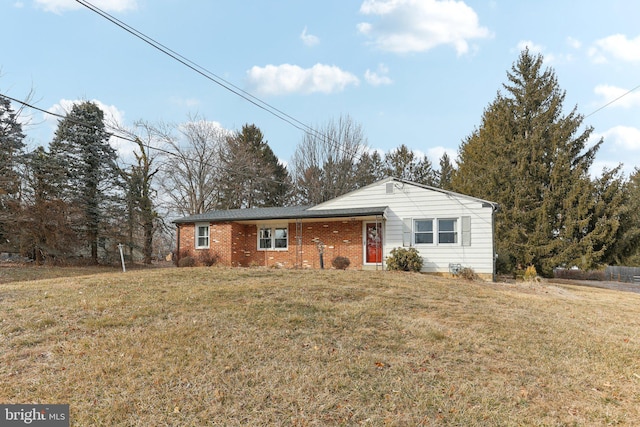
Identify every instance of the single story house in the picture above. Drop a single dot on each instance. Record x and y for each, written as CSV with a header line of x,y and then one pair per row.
x,y
449,230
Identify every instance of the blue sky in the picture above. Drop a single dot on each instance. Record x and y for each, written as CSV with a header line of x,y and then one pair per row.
x,y
413,72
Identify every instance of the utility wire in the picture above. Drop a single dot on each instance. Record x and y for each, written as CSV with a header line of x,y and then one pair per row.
x,y
612,101
135,139
60,116
210,75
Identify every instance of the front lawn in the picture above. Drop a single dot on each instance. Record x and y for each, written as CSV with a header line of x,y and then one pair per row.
x,y
217,346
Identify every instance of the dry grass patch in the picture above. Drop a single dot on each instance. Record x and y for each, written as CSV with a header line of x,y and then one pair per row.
x,y
10,272
217,346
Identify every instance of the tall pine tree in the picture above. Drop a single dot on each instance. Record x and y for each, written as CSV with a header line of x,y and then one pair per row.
x,y
403,163
534,161
445,173
252,174
370,169
46,222
11,151
81,146
627,248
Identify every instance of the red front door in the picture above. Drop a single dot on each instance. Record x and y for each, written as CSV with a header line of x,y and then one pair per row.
x,y
373,243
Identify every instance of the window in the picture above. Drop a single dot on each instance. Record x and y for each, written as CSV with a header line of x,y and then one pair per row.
x,y
273,238
202,236
264,240
423,231
447,231
280,238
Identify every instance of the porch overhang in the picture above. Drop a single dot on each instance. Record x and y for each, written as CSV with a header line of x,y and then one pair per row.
x,y
293,214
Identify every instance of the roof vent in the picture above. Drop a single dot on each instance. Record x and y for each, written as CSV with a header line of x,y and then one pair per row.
x,y
390,187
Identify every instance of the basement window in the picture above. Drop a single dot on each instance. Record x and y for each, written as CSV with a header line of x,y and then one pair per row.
x,y
202,236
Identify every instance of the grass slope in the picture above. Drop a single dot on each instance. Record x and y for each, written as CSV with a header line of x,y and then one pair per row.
x,y
207,346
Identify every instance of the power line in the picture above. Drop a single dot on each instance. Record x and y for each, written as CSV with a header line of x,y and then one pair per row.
x,y
136,139
612,101
356,153
60,116
203,71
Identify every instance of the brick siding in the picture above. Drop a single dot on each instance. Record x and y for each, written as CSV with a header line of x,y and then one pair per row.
x,y
236,244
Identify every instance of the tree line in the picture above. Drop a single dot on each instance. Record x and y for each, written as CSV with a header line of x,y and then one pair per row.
x,y
77,199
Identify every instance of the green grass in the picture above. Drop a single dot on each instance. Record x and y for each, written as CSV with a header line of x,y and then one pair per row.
x,y
209,346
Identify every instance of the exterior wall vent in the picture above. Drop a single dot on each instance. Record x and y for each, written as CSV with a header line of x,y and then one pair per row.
x,y
390,187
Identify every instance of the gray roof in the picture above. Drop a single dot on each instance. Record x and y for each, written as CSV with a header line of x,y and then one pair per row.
x,y
294,212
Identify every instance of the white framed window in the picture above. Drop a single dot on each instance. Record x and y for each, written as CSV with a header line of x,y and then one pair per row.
x,y
202,236
264,238
423,231
273,238
280,240
447,231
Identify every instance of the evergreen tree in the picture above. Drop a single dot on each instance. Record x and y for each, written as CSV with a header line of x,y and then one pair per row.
x,y
11,148
405,164
81,145
11,152
534,161
45,223
445,173
370,169
252,175
627,248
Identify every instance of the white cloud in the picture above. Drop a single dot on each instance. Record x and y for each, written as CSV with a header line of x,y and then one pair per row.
x,y
622,97
536,49
287,78
185,102
574,43
379,77
365,28
623,137
112,116
617,46
549,58
209,125
309,39
59,6
598,166
435,154
420,25
533,47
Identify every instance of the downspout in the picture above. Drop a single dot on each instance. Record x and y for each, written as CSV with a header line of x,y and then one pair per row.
x,y
178,244
380,242
494,255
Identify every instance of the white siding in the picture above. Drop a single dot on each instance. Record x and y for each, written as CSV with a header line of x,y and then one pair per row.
x,y
409,201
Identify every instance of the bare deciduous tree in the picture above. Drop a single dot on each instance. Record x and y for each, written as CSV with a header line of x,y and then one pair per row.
x,y
140,195
325,163
191,170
